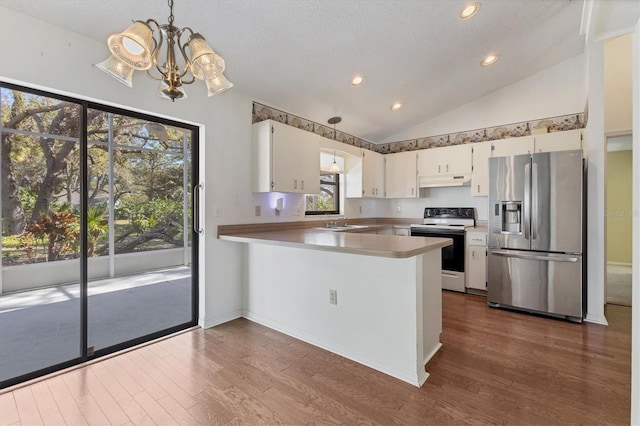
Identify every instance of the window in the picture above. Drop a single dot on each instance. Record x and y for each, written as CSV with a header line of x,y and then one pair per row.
x,y
328,202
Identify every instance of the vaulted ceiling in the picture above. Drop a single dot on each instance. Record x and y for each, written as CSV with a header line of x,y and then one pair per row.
x,y
299,55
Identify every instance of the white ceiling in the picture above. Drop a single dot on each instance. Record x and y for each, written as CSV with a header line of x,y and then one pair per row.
x,y
299,55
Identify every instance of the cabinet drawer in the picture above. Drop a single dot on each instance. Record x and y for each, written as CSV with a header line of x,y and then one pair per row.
x,y
476,239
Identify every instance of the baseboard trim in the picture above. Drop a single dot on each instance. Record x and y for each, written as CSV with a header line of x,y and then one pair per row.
x,y
416,378
212,322
597,319
620,264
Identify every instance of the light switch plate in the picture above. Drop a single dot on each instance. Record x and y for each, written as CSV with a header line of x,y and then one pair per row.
x,y
258,210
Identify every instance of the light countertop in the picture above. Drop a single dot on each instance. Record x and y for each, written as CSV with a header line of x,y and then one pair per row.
x,y
393,246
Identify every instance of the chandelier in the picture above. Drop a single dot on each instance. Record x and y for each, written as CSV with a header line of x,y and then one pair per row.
x,y
142,47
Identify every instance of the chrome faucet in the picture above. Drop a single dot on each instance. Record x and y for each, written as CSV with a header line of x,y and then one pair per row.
x,y
334,223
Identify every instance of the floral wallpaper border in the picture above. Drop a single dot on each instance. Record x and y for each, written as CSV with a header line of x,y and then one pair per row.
x,y
263,112
552,124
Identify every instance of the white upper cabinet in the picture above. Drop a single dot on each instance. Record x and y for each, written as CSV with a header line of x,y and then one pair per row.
x,y
512,146
401,175
558,141
450,160
364,175
372,174
285,159
481,152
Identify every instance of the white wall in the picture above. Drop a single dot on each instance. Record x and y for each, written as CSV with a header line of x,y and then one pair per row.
x,y
635,326
596,153
559,90
617,86
435,197
54,59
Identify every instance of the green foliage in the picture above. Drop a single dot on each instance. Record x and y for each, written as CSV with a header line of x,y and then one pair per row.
x,y
56,232
44,172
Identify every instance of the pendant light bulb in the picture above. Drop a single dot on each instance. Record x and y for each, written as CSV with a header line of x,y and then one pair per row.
x,y
335,168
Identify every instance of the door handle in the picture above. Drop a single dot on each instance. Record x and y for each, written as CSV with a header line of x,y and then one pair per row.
x,y
527,200
534,202
535,257
195,215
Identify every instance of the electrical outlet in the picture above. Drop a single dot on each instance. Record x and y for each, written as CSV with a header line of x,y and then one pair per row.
x,y
258,210
360,209
333,297
398,209
296,211
216,211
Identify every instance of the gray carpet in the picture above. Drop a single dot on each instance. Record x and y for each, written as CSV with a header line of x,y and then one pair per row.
x,y
619,285
40,336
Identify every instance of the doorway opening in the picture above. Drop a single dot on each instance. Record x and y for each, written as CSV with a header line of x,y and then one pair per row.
x,y
619,180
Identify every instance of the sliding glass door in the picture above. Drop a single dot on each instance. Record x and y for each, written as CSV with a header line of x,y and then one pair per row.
x,y
40,291
97,242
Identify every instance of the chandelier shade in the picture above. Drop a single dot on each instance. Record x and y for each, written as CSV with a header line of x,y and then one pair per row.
x,y
118,70
133,46
160,51
217,84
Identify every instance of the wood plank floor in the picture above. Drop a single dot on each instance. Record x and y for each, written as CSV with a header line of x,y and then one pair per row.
x,y
496,367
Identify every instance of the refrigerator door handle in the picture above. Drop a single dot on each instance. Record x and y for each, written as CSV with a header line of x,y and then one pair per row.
x,y
534,202
535,257
527,198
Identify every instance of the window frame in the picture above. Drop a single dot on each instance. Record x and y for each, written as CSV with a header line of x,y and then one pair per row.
x,y
336,196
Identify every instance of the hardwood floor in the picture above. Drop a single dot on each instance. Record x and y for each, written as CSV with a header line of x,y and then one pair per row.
x,y
496,367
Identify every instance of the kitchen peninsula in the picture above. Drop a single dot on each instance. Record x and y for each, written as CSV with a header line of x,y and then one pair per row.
x,y
375,299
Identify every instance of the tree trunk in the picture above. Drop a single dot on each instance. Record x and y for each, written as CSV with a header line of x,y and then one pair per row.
x,y
13,220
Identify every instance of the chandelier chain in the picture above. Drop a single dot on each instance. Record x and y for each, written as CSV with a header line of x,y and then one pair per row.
x,y
170,12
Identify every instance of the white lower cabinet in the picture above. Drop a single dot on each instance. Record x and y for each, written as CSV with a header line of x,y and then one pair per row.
x,y
405,232
476,270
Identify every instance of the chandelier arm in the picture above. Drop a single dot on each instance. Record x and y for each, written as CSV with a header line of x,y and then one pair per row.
x,y
187,61
156,48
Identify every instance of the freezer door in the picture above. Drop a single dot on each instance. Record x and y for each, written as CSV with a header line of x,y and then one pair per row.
x,y
509,182
541,282
556,201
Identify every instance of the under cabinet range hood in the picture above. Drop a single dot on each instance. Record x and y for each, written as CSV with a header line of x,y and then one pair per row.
x,y
438,181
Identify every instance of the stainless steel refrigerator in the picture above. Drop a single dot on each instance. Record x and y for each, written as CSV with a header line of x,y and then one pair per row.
x,y
536,233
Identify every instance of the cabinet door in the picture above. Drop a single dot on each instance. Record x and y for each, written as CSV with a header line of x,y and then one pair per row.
x,y
512,146
284,157
308,164
372,174
558,141
477,267
456,159
480,170
400,175
429,163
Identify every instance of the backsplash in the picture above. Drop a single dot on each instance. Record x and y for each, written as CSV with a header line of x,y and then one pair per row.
x,y
553,124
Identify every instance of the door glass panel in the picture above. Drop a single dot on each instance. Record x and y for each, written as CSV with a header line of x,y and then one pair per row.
x,y
138,222
40,316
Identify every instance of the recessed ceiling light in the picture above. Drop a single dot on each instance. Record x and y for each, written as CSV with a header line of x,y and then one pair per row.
x,y
469,10
357,80
489,60
396,106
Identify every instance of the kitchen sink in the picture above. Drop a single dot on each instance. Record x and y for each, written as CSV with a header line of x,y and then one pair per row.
x,y
342,227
